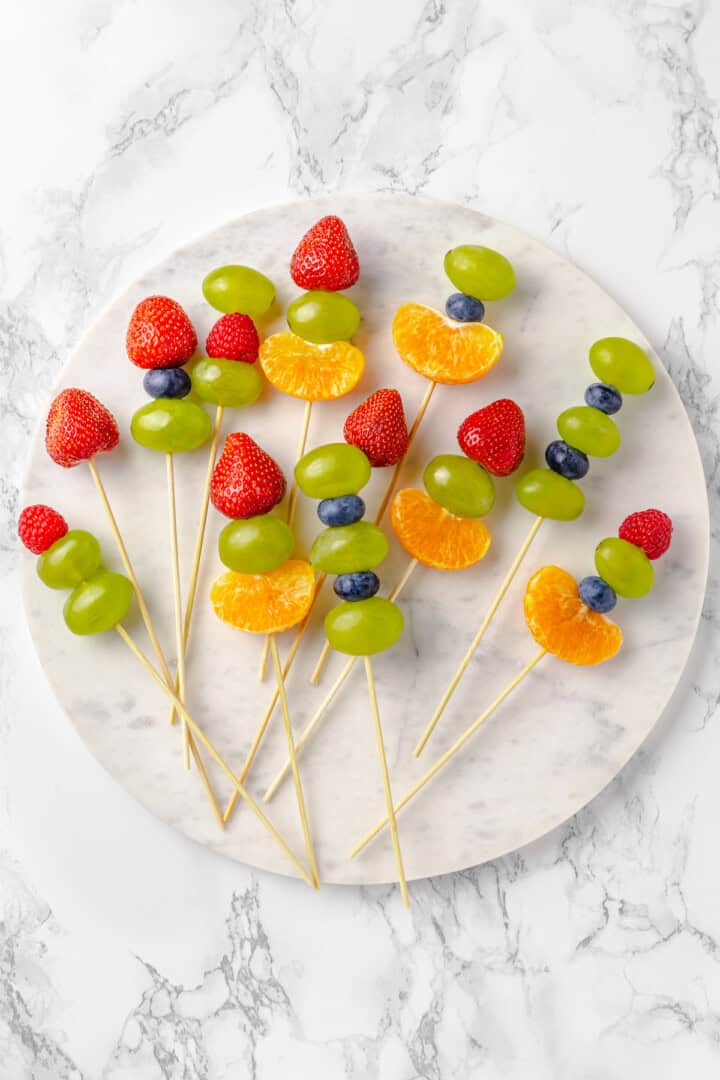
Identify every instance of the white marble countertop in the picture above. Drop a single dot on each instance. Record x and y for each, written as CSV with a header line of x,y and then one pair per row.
x,y
126,951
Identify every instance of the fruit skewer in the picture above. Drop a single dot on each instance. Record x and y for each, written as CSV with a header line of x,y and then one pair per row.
x,y
454,349
585,430
315,360
265,591
440,527
99,601
567,619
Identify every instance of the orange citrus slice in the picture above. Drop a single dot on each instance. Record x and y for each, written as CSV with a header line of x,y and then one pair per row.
x,y
561,623
265,603
433,535
443,350
311,372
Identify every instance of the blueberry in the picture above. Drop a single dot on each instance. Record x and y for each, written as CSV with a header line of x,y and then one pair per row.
x,y
167,382
342,510
597,594
566,460
464,308
358,586
603,397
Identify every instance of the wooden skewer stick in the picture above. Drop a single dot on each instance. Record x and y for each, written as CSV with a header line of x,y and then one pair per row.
x,y
302,810
202,737
177,601
292,502
386,782
457,745
200,538
474,644
314,721
322,659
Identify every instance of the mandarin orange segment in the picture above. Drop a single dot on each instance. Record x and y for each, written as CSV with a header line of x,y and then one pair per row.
x,y
265,603
433,535
311,372
561,623
443,350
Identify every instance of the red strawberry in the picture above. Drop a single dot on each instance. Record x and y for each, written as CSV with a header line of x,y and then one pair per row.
x,y
378,428
234,337
78,427
246,481
325,257
39,527
495,436
159,334
650,530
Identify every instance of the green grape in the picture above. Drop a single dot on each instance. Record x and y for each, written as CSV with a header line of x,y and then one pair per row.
x,y
348,548
238,288
622,364
364,627
227,382
256,545
547,494
590,430
323,317
625,567
171,425
98,604
480,272
460,485
73,558
332,470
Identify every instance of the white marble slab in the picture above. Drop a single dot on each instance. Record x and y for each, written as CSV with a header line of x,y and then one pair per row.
x,y
560,739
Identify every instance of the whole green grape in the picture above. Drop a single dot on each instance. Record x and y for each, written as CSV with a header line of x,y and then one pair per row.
x,y
98,604
460,485
625,567
332,470
590,430
256,545
348,548
323,317
622,364
239,288
480,272
73,558
232,383
364,627
171,425
547,494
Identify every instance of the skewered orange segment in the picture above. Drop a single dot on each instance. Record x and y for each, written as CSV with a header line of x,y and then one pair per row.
x,y
311,372
433,535
443,350
561,623
265,603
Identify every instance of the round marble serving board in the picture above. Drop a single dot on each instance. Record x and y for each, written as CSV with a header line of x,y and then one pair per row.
x,y
559,739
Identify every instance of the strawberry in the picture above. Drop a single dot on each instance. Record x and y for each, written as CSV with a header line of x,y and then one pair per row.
x,y
246,481
325,257
494,436
378,428
159,334
650,530
78,427
234,337
39,527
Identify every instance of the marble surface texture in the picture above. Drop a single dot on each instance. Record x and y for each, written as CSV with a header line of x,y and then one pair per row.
x,y
126,950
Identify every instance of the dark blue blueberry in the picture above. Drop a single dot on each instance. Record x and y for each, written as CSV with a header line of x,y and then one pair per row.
x,y
464,308
597,594
167,382
566,460
603,397
358,586
343,510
